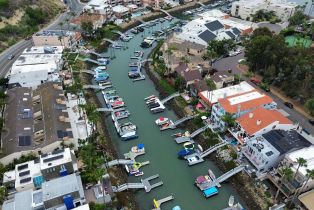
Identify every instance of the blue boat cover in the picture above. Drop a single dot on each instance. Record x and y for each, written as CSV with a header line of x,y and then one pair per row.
x,y
210,191
68,202
140,146
184,152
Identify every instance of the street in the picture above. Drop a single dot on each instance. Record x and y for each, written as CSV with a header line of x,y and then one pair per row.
x,y
232,62
18,48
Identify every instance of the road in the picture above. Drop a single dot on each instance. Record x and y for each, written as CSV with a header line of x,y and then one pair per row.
x,y
232,62
17,49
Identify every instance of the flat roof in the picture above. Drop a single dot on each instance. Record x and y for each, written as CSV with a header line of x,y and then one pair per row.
x,y
307,154
260,118
57,157
307,199
211,97
55,33
244,101
84,207
29,79
9,176
44,50
22,200
62,186
25,172
286,141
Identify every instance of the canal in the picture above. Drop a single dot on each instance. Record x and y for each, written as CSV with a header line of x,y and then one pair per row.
x,y
161,150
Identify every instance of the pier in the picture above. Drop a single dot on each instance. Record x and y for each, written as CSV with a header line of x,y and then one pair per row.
x,y
157,203
145,184
200,130
97,87
165,100
142,77
105,109
88,72
132,155
119,162
167,13
182,120
184,139
100,55
91,61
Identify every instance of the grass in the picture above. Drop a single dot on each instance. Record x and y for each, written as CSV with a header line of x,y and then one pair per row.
x,y
166,86
293,41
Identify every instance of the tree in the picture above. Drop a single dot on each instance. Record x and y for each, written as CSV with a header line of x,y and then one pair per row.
x,y
301,162
3,192
218,48
179,83
87,27
210,84
229,120
297,18
286,175
310,106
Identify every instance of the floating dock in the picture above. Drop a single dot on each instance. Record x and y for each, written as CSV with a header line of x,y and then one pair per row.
x,y
157,203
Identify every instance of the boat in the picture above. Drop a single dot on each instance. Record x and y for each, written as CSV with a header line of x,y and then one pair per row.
x,y
204,183
101,79
117,104
140,29
103,61
162,20
138,148
149,97
169,18
188,146
133,74
211,174
185,134
192,160
134,31
133,64
127,131
139,54
161,121
231,201
121,114
185,152
100,68
101,74
140,173
132,169
166,125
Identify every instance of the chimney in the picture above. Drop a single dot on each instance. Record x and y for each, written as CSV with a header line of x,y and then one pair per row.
x,y
258,122
251,115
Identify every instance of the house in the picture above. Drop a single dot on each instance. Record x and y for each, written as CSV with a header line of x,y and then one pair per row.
x,y
98,20
211,26
153,3
36,65
31,174
211,97
192,76
239,105
120,11
259,121
288,187
198,87
182,67
39,118
65,192
246,8
67,39
267,150
306,200
100,7
222,78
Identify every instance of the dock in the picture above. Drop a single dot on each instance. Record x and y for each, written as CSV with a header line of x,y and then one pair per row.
x,y
132,155
157,203
165,100
183,139
182,120
119,162
142,77
145,184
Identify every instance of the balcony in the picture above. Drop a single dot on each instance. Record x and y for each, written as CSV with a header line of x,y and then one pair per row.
x,y
239,134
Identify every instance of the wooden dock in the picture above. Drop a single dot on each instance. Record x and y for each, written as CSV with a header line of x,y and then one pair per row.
x,y
157,203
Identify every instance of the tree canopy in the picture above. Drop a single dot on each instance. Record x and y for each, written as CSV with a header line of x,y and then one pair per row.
x,y
218,48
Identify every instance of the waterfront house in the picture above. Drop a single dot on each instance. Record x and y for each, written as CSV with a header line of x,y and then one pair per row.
x,y
210,97
239,105
267,150
97,20
192,76
222,78
259,121
298,181
198,87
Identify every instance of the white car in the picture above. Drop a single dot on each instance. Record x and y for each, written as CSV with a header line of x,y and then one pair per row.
x,y
234,53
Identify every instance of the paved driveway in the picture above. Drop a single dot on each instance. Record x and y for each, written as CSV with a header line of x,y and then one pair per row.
x,y
229,63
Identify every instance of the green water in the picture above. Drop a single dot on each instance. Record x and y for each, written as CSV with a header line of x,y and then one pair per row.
x,y
161,150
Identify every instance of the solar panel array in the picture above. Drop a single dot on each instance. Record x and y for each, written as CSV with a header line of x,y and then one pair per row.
x,y
21,167
24,140
24,173
53,158
57,151
25,180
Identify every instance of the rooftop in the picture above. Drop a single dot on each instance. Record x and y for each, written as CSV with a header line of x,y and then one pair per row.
x,y
57,157
62,186
25,172
286,141
244,101
307,199
120,9
260,118
212,97
307,154
37,118
220,76
55,33
21,200
192,75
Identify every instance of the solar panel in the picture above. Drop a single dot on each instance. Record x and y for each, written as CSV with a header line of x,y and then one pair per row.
x,y
44,155
59,107
24,140
25,180
27,114
53,158
57,151
70,134
21,167
60,134
24,173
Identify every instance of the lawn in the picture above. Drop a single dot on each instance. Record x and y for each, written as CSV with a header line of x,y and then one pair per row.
x,y
293,41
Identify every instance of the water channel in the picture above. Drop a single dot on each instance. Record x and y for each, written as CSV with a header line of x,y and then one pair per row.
x,y
161,150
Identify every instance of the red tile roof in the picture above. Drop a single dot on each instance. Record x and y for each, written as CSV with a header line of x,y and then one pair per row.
x,y
246,104
259,119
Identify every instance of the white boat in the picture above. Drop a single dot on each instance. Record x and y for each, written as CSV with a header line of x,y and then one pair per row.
x,y
149,97
161,121
140,173
231,201
138,148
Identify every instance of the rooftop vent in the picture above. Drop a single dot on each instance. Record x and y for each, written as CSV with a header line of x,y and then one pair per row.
x,y
251,115
258,122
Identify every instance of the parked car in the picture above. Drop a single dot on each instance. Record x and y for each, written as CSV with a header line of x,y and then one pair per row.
x,y
241,60
311,122
234,53
288,104
10,57
255,81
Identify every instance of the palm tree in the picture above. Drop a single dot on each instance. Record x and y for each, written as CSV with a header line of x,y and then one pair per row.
x,y
309,175
229,120
286,174
301,162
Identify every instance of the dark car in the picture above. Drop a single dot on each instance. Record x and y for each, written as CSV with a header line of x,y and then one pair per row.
x,y
255,81
140,29
10,57
288,104
311,122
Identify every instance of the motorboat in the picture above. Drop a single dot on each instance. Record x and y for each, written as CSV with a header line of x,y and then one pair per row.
x,y
133,64
169,18
116,46
117,104
100,68
151,101
188,146
127,131
138,148
103,61
185,134
184,152
121,114
154,105
140,29
157,109
112,99
162,20
132,169
193,159
205,184
134,31
231,201
133,74
149,97
139,54
161,121
166,125
101,74
101,79
140,173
